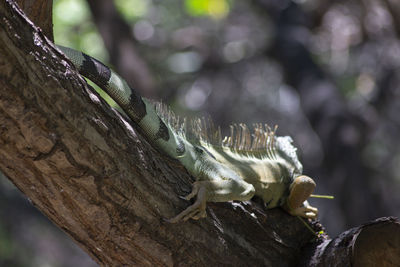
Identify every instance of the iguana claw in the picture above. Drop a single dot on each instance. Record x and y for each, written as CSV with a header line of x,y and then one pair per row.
x,y
195,191
305,211
300,190
195,211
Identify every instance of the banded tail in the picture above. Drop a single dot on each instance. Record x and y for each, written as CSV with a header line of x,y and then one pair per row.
x,y
138,109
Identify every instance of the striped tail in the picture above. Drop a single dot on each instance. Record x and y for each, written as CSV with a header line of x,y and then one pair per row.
x,y
138,109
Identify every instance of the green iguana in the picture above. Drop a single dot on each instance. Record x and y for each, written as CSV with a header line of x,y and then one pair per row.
x,y
236,168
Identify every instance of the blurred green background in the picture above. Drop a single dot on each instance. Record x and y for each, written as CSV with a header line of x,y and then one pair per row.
x,y
327,72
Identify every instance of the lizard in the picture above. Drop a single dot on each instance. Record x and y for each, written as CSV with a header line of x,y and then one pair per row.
x,y
238,167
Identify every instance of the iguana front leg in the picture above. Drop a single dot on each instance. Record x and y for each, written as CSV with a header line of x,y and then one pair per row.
x,y
224,185
300,191
198,209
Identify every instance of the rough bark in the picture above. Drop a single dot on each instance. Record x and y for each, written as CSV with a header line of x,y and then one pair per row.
x,y
94,176
376,243
40,12
90,171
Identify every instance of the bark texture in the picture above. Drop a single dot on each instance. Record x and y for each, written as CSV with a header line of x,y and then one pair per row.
x,y
90,171
94,176
376,243
40,12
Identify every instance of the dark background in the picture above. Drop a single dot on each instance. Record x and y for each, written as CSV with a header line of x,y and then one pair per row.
x,y
327,72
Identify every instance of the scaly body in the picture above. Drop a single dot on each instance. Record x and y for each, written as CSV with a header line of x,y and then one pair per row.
x,y
236,168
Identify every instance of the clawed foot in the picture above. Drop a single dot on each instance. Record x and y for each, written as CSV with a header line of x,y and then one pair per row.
x,y
305,211
195,211
300,190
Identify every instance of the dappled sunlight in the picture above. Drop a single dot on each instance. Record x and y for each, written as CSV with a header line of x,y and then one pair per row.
x,y
326,72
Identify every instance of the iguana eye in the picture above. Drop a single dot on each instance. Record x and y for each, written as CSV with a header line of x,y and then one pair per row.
x,y
199,150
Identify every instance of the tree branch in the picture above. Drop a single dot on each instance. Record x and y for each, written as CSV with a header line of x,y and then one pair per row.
x,y
94,176
374,243
40,12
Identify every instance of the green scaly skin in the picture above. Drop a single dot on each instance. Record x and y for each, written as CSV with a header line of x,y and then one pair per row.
x,y
221,173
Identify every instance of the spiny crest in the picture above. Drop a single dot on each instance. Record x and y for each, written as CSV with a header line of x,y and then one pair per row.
x,y
168,116
204,129
261,142
242,140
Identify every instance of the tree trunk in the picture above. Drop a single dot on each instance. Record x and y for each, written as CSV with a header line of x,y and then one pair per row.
x,y
92,174
89,170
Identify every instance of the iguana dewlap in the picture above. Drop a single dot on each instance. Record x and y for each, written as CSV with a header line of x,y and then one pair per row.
x,y
236,168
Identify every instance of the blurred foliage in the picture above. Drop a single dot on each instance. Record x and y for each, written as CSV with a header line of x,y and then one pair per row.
x,y
7,246
214,8
217,57
132,10
73,27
